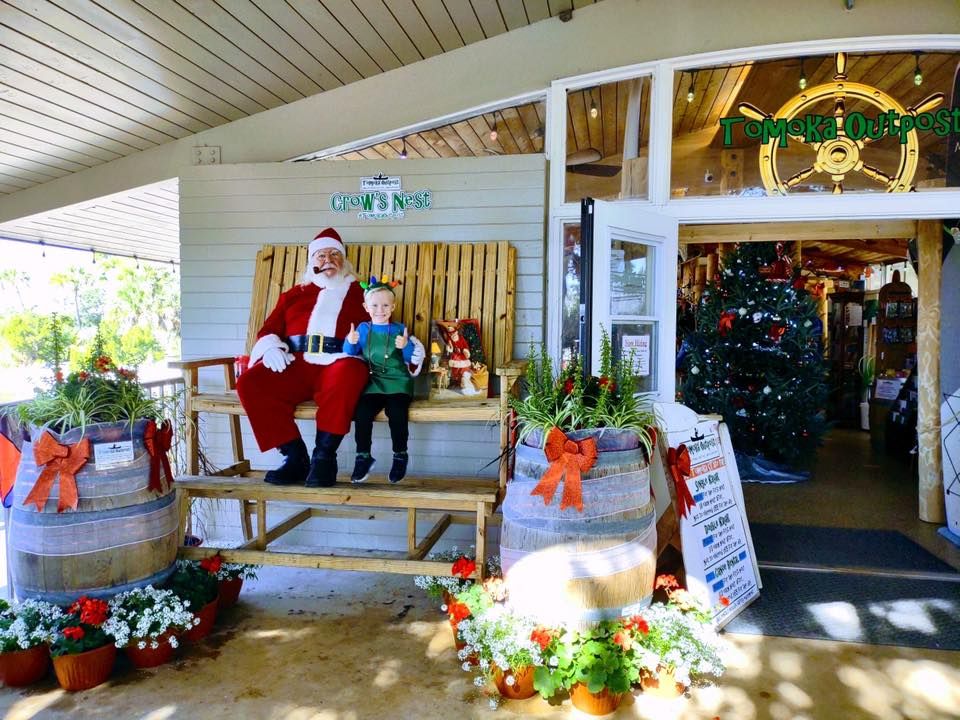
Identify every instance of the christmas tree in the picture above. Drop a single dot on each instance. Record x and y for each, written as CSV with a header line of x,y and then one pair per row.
x,y
755,356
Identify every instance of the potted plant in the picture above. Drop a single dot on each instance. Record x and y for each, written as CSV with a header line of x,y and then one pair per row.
x,y
230,577
83,653
196,584
678,642
95,442
145,623
442,588
508,650
25,630
596,666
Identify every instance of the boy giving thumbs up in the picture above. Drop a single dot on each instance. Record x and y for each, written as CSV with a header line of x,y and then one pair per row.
x,y
395,358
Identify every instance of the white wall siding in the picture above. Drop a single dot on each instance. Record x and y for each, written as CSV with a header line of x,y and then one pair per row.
x,y
227,212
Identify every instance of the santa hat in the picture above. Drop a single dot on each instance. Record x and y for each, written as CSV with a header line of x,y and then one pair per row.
x,y
328,238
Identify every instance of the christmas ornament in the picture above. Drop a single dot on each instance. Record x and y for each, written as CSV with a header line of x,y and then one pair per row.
x,y
694,370
767,390
757,317
726,322
776,332
807,323
742,311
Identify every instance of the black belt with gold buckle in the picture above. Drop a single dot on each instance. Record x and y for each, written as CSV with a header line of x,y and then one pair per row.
x,y
314,344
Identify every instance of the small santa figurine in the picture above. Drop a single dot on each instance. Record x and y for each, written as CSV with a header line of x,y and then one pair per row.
x,y
298,356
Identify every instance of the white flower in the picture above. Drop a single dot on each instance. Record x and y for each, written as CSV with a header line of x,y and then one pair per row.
x,y
479,681
465,667
142,645
554,661
510,680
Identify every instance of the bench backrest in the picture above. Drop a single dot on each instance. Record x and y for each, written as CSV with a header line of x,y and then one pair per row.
x,y
440,281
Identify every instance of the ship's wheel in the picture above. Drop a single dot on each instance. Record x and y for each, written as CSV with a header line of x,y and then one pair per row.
x,y
843,155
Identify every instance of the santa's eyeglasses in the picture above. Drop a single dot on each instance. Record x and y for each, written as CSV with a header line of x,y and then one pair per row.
x,y
328,255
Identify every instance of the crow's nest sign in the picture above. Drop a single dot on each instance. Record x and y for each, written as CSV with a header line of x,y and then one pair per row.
x,y
381,198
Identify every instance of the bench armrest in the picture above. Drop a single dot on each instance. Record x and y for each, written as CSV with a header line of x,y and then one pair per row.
x,y
200,362
514,368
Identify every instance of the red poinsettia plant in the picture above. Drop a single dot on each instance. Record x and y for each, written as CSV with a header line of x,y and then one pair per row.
x,y
81,628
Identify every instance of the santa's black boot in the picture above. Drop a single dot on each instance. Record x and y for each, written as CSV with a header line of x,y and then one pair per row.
x,y
296,464
323,464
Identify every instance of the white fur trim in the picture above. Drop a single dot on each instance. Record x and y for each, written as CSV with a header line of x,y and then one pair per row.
x,y
324,243
423,354
264,344
323,320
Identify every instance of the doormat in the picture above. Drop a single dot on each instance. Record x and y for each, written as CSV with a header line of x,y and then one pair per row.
x,y
853,607
842,548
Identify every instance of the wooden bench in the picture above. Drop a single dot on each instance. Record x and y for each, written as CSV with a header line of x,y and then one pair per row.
x,y
439,280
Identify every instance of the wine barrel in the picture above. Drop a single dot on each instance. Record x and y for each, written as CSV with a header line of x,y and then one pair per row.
x,y
121,536
573,568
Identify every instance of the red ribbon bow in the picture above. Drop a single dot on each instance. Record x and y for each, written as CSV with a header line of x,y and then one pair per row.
x,y
62,460
567,458
678,459
158,442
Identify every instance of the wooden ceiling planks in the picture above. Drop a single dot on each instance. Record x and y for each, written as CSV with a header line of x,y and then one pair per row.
x,y
109,79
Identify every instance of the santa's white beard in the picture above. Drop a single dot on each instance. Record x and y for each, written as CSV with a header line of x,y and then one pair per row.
x,y
322,281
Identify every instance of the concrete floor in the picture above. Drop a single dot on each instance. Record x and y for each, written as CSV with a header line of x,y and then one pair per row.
x,y
321,645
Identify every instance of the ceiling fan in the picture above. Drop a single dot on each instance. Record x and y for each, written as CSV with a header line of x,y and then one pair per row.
x,y
584,162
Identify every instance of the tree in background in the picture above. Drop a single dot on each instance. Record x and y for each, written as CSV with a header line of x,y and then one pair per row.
x,y
755,356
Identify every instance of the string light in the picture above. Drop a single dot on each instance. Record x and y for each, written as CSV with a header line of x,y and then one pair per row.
x,y
93,254
917,75
693,81
403,153
43,247
594,111
493,128
803,76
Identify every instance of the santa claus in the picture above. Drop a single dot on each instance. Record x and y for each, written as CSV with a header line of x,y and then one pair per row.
x,y
299,356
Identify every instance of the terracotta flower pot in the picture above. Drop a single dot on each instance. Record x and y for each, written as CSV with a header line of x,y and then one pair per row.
x,y
601,703
522,687
207,615
229,592
148,656
24,667
85,670
661,684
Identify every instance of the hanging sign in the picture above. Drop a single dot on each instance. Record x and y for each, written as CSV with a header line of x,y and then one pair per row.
x,y
381,198
637,346
718,554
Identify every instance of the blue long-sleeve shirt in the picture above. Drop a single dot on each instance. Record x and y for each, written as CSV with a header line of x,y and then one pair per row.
x,y
395,329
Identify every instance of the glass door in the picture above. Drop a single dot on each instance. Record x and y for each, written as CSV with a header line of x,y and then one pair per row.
x,y
634,290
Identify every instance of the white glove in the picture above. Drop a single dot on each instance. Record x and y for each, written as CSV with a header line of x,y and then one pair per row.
x,y
277,359
418,352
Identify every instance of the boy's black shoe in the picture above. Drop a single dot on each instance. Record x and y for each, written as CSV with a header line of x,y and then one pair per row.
x,y
362,468
399,468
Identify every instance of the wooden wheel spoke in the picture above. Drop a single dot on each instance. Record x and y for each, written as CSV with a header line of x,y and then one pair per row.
x,y
876,174
799,177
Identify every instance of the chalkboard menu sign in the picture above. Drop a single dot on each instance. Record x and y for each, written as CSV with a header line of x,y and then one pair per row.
x,y
718,554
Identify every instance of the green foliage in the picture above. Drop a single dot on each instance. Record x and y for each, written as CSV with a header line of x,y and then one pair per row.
x,y
596,657
476,598
81,628
30,336
101,392
194,585
755,358
570,401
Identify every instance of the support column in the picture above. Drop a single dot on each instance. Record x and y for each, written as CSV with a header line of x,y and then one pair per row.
x,y
929,456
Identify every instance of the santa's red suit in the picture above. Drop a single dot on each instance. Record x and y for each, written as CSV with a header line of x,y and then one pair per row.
x,y
333,380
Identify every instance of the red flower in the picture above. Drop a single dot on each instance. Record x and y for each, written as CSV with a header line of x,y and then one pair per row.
x,y
666,581
726,322
83,375
74,633
464,567
623,640
542,637
724,600
127,374
568,386
458,611
212,564
637,623
58,376
604,381
94,612
102,363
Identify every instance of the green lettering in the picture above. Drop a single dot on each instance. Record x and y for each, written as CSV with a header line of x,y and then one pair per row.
x,y
727,124
829,130
874,128
366,202
942,128
925,121
811,128
854,126
775,128
399,202
907,123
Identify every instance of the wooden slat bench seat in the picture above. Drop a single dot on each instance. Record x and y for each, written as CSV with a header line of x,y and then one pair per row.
x,y
476,498
439,280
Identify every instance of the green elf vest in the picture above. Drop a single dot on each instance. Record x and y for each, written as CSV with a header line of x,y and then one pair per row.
x,y
388,372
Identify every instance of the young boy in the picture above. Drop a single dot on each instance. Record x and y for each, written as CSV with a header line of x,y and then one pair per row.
x,y
394,359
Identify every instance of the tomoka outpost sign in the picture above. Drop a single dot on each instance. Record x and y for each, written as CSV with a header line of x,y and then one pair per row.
x,y
381,198
840,138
